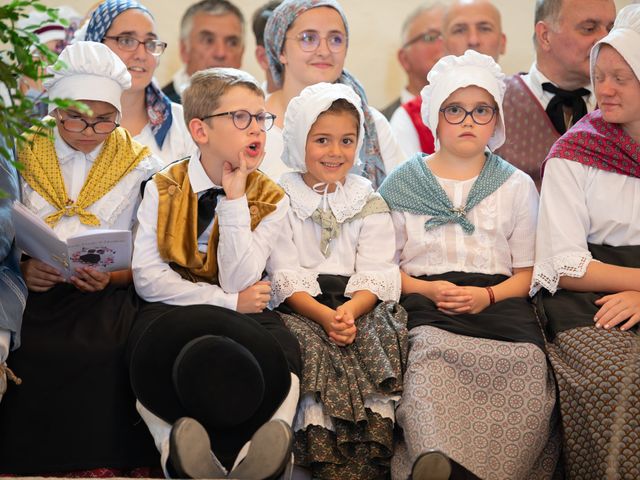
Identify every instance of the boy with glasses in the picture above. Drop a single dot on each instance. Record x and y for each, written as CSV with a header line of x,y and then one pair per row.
x,y
213,370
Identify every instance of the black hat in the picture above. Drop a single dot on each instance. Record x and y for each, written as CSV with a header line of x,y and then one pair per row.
x,y
210,363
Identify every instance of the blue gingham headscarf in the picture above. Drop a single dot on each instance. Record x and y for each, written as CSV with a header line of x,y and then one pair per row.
x,y
274,37
158,104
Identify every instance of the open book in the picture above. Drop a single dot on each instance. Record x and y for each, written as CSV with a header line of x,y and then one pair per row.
x,y
105,250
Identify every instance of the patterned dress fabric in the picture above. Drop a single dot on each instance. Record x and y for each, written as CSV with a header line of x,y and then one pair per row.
x,y
597,143
354,439
598,373
598,376
416,190
530,133
487,404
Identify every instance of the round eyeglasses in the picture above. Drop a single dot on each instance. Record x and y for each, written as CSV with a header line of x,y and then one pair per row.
x,y
309,41
426,37
242,119
128,43
481,115
77,125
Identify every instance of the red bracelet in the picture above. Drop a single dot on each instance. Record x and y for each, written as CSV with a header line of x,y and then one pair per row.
x,y
492,297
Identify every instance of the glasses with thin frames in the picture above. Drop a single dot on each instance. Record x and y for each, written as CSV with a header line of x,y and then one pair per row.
x,y
309,41
78,125
242,119
426,37
481,115
128,43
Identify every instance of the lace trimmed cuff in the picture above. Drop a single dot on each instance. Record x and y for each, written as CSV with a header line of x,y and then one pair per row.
x,y
547,274
384,284
285,283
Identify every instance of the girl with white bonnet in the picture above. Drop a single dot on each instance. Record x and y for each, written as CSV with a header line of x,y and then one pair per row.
x,y
478,395
74,409
587,266
332,270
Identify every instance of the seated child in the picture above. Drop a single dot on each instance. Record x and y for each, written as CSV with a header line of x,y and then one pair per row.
x,y
338,266
74,409
478,396
209,367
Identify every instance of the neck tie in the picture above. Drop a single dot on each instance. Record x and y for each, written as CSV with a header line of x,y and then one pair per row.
x,y
207,208
571,99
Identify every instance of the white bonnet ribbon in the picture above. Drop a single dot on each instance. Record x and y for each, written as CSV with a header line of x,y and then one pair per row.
x,y
323,188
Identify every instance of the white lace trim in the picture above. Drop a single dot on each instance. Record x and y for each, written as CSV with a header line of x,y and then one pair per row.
x,y
384,284
547,274
285,283
344,203
311,411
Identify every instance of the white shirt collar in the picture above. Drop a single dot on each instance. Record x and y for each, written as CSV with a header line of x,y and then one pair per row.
x,y
406,96
198,178
534,80
66,152
344,202
181,80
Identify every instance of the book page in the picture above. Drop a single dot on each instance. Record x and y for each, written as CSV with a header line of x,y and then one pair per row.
x,y
104,250
38,240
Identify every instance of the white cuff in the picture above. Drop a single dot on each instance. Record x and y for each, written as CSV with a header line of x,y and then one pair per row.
x,y
285,283
547,274
385,285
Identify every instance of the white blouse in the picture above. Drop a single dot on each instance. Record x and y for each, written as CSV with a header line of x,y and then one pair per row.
x,y
363,251
115,210
242,253
178,142
579,205
392,154
504,236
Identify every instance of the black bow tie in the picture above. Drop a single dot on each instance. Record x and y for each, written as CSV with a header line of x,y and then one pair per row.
x,y
207,208
565,98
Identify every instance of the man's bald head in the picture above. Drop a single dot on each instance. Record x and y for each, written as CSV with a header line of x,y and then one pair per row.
x,y
475,25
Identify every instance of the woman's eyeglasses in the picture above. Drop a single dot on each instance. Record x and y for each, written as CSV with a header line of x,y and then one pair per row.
x,y
129,44
242,119
309,41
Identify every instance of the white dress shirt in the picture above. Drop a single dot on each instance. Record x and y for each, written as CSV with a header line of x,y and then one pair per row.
x,y
504,236
242,254
363,251
178,142
392,154
579,205
115,210
405,132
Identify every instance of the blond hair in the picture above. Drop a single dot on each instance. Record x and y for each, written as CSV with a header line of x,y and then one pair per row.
x,y
207,87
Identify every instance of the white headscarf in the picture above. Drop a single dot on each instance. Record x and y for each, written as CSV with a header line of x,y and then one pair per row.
x,y
624,37
303,111
88,71
451,73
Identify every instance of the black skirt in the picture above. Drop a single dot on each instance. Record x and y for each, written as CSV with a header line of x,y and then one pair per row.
x,y
75,409
566,310
511,320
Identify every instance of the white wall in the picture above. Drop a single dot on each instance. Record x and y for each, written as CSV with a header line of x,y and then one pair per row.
x,y
375,29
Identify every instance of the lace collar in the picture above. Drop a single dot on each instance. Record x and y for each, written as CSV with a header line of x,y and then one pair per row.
x,y
345,202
